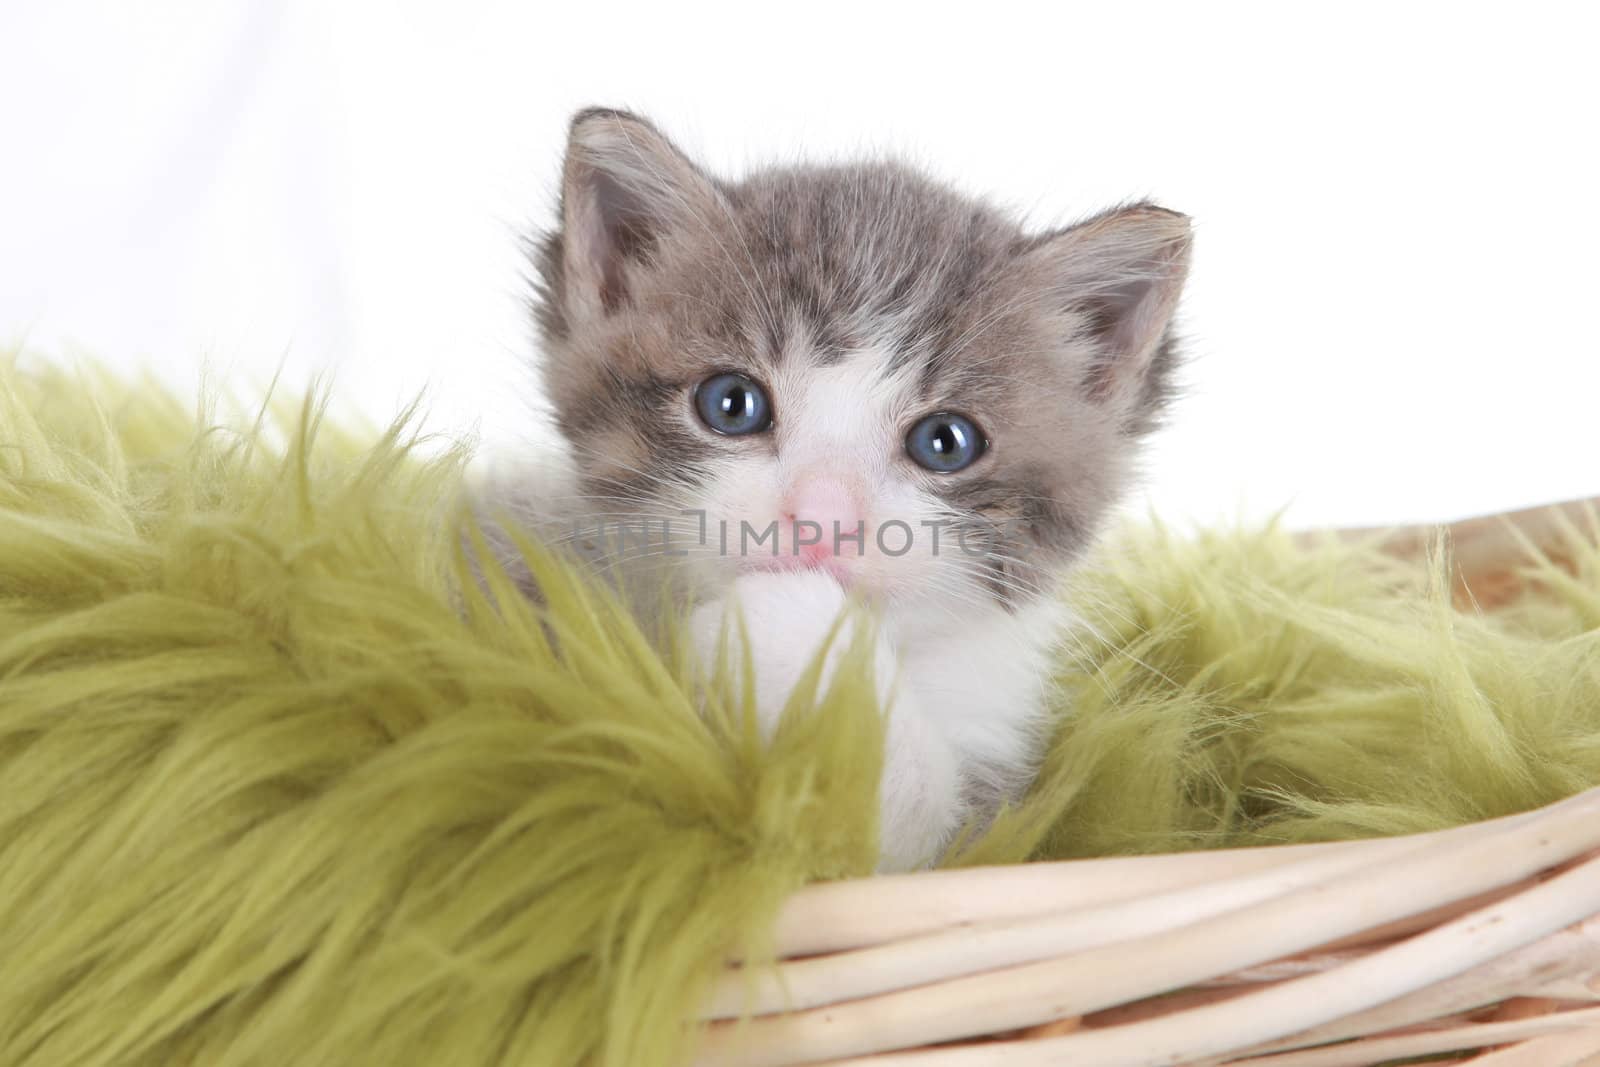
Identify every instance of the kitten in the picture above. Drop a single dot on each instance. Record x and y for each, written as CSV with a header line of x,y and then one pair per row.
x,y
832,382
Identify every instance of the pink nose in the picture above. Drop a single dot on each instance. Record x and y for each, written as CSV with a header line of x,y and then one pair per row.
x,y
823,501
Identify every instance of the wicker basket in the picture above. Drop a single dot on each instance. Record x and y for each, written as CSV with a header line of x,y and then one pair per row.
x,y
1481,941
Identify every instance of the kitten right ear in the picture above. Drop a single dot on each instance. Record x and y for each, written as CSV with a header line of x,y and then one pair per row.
x,y
623,185
1122,273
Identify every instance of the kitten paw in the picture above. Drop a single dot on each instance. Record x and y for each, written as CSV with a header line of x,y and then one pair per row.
x,y
787,617
920,798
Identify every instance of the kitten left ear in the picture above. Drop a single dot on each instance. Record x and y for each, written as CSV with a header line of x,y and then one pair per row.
x,y
1122,273
624,186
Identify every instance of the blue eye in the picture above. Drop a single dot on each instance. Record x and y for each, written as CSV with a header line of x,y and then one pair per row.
x,y
733,404
945,443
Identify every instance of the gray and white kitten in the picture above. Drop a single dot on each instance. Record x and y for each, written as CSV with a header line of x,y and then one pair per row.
x,y
933,408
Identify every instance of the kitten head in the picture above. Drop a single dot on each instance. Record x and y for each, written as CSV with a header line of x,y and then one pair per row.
x,y
851,350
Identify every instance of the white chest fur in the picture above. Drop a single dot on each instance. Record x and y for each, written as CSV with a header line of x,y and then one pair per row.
x,y
965,703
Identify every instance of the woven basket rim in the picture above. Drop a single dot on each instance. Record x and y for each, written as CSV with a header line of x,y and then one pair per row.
x,y
1294,956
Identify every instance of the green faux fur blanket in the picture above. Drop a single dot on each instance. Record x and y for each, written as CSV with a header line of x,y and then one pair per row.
x,y
279,786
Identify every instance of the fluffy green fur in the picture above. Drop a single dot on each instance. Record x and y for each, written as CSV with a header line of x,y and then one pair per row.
x,y
279,785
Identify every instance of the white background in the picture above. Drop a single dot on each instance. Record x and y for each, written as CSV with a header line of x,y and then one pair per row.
x,y
1392,305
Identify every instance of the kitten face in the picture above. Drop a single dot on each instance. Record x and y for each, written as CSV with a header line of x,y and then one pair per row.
x,y
852,304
